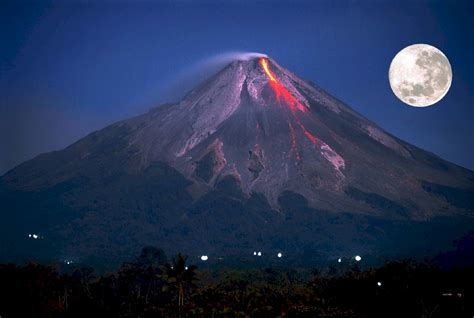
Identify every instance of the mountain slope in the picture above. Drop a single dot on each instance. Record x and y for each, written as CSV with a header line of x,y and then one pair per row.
x,y
253,156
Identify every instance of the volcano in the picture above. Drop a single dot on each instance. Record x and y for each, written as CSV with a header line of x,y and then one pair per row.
x,y
253,158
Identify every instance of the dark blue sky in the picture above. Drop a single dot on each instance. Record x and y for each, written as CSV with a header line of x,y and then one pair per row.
x,y
68,68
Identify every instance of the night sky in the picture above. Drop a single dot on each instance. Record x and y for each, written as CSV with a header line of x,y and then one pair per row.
x,y
68,68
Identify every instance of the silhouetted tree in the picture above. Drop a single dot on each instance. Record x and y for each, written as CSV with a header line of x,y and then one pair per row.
x,y
181,276
146,288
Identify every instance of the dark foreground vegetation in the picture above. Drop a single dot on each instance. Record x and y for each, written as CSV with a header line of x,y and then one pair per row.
x,y
152,287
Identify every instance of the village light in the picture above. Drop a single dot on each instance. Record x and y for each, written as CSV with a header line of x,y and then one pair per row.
x,y
34,236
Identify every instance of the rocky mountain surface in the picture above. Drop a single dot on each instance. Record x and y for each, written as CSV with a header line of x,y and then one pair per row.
x,y
253,158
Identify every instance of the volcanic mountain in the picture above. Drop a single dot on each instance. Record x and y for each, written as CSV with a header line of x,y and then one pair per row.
x,y
253,158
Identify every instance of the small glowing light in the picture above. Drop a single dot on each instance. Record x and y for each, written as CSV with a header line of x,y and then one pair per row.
x,y
185,268
254,253
204,258
279,255
379,284
259,253
358,258
339,260
34,236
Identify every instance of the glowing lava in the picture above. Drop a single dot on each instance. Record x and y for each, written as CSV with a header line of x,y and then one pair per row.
x,y
295,109
290,100
294,148
264,64
280,90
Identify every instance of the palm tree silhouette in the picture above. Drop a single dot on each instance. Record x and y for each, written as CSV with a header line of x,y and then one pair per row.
x,y
181,276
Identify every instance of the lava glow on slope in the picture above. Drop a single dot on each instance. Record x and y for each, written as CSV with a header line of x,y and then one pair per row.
x,y
264,64
280,90
294,149
296,108
294,105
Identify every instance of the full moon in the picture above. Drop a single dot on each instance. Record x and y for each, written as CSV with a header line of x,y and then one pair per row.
x,y
420,75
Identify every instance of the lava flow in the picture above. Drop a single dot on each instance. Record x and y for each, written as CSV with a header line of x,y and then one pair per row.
x,y
264,64
280,90
294,149
290,100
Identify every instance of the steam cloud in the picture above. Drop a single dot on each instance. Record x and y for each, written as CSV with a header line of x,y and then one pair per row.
x,y
188,77
228,57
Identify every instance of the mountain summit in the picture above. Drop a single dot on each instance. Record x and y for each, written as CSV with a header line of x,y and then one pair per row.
x,y
254,156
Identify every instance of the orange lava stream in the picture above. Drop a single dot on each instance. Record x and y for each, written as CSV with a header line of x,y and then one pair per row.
x,y
310,136
294,148
264,64
292,102
280,90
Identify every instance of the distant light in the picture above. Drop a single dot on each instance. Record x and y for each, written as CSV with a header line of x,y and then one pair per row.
x,y
254,253
279,255
204,258
259,253
172,267
358,258
34,236
339,260
379,284
186,268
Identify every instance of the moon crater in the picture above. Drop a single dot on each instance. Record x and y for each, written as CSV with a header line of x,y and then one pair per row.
x,y
420,75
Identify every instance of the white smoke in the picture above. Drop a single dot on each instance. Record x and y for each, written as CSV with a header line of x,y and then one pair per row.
x,y
228,57
215,62
186,78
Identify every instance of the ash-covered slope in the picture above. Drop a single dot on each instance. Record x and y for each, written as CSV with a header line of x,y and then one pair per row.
x,y
253,156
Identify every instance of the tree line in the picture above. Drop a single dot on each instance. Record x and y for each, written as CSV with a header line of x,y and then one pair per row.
x,y
153,286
